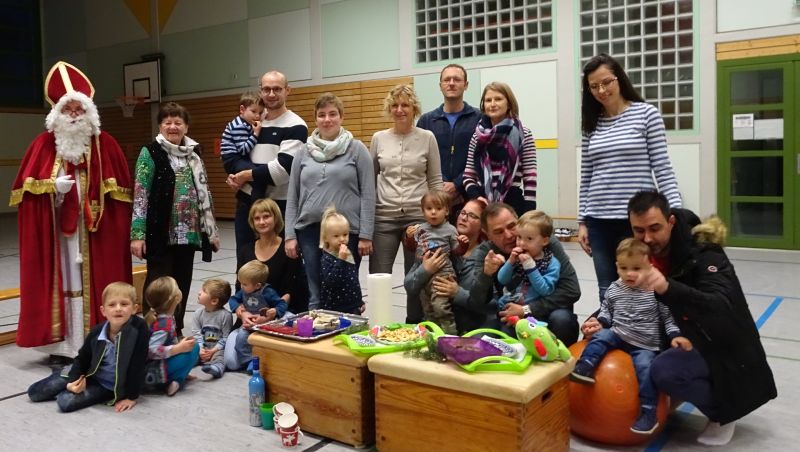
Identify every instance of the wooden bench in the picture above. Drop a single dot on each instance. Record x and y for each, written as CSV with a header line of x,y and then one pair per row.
x,y
426,405
9,337
330,387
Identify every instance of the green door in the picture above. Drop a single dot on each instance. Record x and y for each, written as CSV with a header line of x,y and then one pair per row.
x,y
758,157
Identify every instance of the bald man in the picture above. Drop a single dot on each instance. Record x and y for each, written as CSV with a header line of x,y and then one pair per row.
x,y
265,172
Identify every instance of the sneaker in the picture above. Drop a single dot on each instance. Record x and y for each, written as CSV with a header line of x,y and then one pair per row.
x,y
172,388
582,373
212,370
646,423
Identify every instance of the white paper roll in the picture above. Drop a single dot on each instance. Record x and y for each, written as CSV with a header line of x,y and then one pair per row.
x,y
379,298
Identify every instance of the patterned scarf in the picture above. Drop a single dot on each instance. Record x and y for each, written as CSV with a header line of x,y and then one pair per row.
x,y
323,150
186,152
498,153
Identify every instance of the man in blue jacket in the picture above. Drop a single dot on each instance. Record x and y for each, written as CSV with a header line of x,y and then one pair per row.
x,y
453,124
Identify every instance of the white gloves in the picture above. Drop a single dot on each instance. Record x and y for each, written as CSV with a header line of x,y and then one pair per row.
x,y
64,183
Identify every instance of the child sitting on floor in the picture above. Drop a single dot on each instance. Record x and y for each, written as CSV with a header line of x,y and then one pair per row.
x,y
212,324
170,360
339,288
255,303
110,365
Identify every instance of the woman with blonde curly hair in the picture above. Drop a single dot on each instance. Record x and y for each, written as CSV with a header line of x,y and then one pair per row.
x,y
407,165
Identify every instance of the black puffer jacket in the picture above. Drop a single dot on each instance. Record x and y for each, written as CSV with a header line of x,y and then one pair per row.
x,y
709,307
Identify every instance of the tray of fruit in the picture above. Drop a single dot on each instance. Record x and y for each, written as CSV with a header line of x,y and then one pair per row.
x,y
389,338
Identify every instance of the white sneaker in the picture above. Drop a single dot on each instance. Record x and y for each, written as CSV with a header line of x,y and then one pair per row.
x,y
716,434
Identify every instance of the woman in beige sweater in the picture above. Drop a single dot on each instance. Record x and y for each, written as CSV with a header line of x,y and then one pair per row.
x,y
407,165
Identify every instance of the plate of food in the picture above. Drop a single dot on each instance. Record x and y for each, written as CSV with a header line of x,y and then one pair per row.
x,y
388,338
325,324
397,334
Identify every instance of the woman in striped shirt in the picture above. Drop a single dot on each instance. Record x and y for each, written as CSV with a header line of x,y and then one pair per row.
x,y
501,159
623,151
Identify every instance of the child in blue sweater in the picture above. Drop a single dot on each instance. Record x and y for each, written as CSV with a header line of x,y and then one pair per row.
x,y
531,271
255,303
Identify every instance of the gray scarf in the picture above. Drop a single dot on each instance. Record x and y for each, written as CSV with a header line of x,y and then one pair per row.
x,y
323,150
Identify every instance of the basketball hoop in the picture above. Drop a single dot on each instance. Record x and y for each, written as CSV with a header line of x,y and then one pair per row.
x,y
128,104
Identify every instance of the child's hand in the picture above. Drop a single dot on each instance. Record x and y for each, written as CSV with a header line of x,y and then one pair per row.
x,y
77,386
590,326
463,239
514,257
124,405
259,319
271,314
524,257
344,252
206,354
682,342
411,230
185,345
256,127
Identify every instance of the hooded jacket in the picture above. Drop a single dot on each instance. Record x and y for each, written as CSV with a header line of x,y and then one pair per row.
x,y
709,307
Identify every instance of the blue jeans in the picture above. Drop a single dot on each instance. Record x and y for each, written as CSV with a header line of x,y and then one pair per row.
x,y
604,236
238,352
179,366
685,376
308,239
55,387
606,340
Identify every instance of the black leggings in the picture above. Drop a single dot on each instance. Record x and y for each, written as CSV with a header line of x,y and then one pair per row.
x,y
178,262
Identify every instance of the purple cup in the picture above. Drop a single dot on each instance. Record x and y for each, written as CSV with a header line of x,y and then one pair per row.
x,y
305,327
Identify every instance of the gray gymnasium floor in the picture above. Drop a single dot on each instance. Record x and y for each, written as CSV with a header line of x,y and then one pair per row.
x,y
212,415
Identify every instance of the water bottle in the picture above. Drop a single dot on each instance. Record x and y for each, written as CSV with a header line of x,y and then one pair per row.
x,y
257,390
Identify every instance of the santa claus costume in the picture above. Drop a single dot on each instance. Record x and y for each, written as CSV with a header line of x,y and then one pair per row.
x,y
74,194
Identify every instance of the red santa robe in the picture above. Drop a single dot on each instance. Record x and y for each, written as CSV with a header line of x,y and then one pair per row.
x,y
106,203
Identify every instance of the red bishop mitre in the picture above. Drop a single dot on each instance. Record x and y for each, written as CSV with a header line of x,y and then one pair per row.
x,y
65,78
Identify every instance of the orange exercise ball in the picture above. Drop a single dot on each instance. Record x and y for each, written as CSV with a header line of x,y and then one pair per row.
x,y
604,412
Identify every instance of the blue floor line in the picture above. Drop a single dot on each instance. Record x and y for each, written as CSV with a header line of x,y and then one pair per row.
x,y
687,407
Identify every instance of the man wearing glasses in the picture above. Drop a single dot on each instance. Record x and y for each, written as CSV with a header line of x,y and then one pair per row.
x,y
453,124
266,173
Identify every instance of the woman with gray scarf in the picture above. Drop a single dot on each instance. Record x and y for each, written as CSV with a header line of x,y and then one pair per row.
x,y
335,171
173,215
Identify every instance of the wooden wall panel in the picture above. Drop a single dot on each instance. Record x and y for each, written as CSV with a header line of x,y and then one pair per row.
x,y
780,45
363,108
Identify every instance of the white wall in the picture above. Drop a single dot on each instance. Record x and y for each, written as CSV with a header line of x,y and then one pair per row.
x,y
734,15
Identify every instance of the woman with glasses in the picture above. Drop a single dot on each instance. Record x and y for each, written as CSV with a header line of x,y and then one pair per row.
x,y
468,223
407,165
501,160
334,170
624,147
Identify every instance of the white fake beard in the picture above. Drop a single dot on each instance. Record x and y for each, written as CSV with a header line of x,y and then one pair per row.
x,y
73,136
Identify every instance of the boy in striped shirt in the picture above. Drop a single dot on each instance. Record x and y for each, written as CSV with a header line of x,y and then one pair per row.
x,y
635,322
241,134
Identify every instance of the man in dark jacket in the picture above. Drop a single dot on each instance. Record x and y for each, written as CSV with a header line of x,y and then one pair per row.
x,y
453,124
726,374
499,222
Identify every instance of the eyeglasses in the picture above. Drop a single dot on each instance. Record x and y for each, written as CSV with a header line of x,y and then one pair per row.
x,y
454,80
470,215
277,90
73,112
602,85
